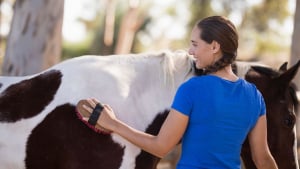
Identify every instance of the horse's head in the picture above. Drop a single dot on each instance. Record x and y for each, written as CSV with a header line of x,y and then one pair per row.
x,y
281,103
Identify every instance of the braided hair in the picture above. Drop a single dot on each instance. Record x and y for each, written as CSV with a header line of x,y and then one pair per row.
x,y
221,30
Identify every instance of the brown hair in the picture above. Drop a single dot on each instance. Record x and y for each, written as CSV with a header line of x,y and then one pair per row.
x,y
221,30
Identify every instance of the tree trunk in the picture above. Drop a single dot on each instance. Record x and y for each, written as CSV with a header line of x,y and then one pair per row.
x,y
34,41
295,56
295,50
130,24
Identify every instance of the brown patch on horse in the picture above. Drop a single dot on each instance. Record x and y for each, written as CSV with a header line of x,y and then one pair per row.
x,y
29,97
146,160
62,141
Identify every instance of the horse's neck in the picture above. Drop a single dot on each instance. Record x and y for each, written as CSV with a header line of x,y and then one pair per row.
x,y
178,67
167,68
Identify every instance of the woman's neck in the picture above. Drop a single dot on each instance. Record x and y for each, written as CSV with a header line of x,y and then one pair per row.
x,y
226,73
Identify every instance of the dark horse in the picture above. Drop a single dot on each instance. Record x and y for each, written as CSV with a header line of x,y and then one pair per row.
x,y
281,103
39,127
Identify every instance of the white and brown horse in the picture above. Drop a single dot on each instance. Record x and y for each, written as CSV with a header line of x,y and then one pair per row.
x,y
39,127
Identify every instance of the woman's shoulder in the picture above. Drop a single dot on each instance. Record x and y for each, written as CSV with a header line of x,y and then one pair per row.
x,y
251,87
248,84
196,80
202,78
192,83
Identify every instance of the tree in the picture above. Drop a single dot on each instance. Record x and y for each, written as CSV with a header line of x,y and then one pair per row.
x,y
295,50
259,16
34,41
200,9
116,31
129,26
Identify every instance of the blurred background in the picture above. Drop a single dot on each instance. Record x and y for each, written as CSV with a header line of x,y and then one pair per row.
x,y
36,34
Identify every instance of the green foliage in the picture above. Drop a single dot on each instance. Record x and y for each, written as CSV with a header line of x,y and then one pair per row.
x,y
199,10
260,15
255,18
269,43
70,50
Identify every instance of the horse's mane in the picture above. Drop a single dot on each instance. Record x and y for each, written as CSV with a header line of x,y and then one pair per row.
x,y
171,61
266,71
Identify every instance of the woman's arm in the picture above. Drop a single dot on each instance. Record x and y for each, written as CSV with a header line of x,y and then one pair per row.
x,y
168,136
261,154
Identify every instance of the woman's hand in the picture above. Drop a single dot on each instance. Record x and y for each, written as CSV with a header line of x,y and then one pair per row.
x,y
107,116
159,145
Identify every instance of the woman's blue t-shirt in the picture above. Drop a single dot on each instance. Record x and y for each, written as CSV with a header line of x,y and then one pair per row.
x,y
221,113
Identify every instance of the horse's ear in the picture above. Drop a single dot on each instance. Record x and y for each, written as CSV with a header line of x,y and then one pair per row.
x,y
287,76
283,67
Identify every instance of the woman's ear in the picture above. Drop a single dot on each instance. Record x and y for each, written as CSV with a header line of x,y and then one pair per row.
x,y
215,46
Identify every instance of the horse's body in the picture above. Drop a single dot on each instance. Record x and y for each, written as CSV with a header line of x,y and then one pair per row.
x,y
39,127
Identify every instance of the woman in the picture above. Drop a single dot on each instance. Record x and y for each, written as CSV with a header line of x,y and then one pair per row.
x,y
212,114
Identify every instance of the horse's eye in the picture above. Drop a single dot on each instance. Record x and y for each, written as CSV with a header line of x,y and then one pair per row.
x,y
289,121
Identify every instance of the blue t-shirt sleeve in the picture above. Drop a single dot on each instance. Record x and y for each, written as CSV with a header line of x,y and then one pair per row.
x,y
182,101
